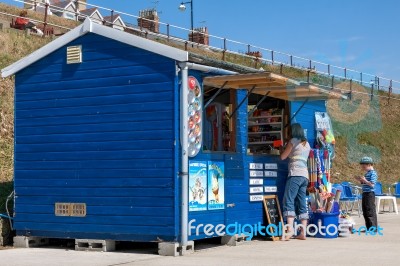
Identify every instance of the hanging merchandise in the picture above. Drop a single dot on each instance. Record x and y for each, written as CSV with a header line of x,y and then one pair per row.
x,y
319,169
325,139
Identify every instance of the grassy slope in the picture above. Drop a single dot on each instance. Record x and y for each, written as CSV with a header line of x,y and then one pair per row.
x,y
16,45
384,138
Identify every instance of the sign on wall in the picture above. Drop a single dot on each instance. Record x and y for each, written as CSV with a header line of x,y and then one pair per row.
x,y
198,186
322,121
257,172
216,185
256,198
271,166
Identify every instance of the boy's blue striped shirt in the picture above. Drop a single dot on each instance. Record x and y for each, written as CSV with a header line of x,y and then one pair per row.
x,y
372,177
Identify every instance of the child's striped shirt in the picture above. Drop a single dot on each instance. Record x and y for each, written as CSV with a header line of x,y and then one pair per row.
x,y
372,177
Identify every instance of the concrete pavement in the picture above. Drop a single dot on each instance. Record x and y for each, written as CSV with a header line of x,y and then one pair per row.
x,y
360,249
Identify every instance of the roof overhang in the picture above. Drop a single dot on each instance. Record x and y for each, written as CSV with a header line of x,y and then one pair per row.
x,y
275,85
90,27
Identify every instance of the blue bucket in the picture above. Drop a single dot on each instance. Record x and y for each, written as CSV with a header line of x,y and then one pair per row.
x,y
329,224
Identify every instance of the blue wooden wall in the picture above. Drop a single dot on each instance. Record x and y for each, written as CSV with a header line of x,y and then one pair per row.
x,y
306,116
102,133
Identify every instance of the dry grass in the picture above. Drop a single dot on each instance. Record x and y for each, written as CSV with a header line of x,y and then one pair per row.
x,y
374,126
15,45
37,16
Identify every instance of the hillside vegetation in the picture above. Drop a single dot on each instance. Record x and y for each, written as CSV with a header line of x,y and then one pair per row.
x,y
359,124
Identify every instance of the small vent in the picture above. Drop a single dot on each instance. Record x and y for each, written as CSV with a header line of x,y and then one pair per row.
x,y
74,54
62,209
78,209
70,209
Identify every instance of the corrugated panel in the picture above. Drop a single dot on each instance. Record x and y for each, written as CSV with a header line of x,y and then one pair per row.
x,y
99,133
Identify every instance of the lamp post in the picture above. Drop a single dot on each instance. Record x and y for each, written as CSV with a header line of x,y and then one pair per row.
x,y
182,8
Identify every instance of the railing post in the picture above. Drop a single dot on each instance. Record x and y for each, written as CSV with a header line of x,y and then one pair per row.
x,y
46,10
76,10
308,76
168,31
224,51
310,66
272,56
345,73
332,82
291,60
372,90
377,79
351,89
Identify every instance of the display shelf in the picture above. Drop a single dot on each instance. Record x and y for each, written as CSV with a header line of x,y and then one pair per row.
x,y
263,117
264,132
260,142
251,124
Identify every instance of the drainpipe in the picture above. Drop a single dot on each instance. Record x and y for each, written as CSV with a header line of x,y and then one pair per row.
x,y
184,170
184,175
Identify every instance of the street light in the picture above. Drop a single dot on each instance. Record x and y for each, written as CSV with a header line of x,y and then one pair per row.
x,y
182,8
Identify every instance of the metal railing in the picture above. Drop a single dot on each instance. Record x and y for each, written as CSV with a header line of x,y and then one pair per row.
x,y
319,73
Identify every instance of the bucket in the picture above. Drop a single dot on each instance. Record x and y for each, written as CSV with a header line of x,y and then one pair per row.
x,y
329,223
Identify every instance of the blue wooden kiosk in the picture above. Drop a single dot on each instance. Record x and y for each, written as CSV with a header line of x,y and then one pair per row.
x,y
103,147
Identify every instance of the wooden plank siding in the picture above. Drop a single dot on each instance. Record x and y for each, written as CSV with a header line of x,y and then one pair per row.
x,y
306,116
102,133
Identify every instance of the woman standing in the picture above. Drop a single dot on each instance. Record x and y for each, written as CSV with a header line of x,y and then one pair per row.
x,y
294,199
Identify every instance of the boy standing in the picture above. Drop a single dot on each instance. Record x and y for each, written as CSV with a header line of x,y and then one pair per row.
x,y
368,182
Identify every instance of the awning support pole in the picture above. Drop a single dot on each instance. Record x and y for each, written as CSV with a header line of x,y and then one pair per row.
x,y
259,102
244,99
215,95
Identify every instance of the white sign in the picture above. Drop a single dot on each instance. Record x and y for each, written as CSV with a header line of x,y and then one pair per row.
x,y
322,121
271,166
256,190
270,189
271,174
256,181
254,173
256,197
257,166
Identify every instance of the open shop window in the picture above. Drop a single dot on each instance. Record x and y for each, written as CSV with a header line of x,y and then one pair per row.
x,y
267,118
268,96
218,126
